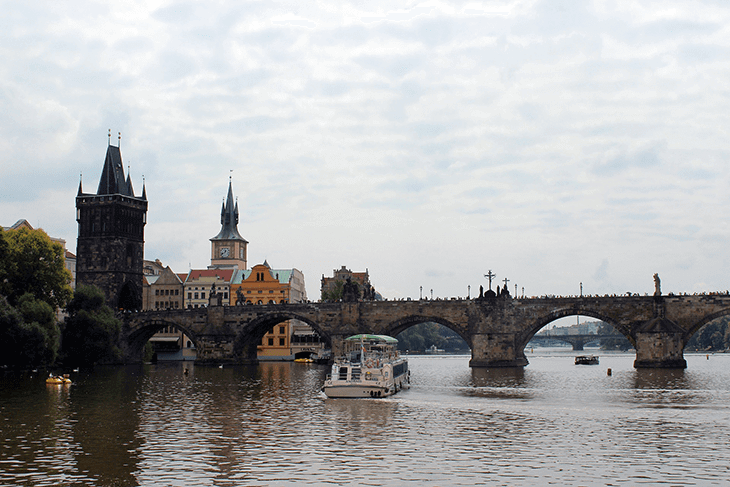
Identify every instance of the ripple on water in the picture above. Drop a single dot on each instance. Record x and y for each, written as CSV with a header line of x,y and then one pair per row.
x,y
549,423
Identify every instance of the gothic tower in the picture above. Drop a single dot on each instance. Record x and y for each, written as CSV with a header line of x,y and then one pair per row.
x,y
228,248
110,244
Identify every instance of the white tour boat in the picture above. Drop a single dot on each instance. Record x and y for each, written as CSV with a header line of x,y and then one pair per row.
x,y
371,367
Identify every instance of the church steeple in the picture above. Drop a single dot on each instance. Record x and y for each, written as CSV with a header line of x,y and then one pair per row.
x,y
228,248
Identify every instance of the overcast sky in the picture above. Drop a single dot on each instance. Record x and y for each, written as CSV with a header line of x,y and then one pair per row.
x,y
554,142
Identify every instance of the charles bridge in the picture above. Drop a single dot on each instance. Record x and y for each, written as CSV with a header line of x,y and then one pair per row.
x,y
496,329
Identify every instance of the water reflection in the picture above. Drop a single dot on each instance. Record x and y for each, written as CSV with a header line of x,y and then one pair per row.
x,y
272,425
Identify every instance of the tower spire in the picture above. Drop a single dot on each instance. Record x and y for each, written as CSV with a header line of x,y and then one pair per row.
x,y
229,217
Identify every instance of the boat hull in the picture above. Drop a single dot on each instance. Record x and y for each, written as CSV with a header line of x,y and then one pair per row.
x,y
356,391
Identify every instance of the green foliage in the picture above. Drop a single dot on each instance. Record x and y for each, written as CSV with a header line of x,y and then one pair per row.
x,y
335,292
618,343
424,335
715,335
90,332
31,263
29,334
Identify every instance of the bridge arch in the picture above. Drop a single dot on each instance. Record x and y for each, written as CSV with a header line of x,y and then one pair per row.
x,y
249,336
402,324
559,313
703,321
140,336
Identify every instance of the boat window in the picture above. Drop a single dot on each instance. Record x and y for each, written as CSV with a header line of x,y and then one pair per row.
x,y
343,373
355,373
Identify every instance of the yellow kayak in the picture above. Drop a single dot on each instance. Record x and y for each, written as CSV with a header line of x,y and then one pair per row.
x,y
58,379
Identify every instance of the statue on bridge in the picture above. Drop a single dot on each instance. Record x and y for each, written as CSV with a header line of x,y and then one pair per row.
x,y
350,291
368,292
240,300
657,285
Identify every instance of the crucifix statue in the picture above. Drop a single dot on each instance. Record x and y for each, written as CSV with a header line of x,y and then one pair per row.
x,y
489,275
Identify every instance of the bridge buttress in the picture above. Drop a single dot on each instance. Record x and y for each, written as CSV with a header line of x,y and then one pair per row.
x,y
497,350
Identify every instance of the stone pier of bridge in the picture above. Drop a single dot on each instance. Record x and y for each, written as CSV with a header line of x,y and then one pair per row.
x,y
496,329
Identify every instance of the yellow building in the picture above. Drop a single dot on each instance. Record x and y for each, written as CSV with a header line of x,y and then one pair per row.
x,y
262,285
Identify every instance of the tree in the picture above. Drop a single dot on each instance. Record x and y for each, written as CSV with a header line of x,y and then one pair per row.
x,y
423,335
90,332
31,263
715,335
29,334
335,292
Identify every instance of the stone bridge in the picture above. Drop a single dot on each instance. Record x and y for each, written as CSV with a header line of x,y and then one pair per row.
x,y
577,341
496,329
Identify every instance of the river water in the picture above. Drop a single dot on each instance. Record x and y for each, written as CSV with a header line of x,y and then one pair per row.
x,y
551,423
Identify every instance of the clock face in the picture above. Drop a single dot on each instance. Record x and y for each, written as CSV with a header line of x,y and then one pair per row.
x,y
225,251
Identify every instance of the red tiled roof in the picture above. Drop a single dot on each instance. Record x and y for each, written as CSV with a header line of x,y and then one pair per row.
x,y
224,274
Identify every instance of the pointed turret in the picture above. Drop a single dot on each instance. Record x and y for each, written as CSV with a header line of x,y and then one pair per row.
x,y
228,248
130,190
81,190
112,176
229,219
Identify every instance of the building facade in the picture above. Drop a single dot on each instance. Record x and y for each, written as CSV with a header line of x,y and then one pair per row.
x,y
110,244
163,291
200,282
262,285
332,287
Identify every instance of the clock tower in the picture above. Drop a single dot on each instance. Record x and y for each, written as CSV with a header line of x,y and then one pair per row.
x,y
228,248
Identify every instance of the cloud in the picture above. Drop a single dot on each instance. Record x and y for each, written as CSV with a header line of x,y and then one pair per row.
x,y
424,143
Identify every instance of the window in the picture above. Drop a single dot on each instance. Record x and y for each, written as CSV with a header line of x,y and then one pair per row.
x,y
157,304
271,342
271,292
177,292
196,297
282,342
190,295
282,330
202,295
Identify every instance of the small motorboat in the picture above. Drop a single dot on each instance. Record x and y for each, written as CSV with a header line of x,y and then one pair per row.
x,y
586,360
304,360
58,379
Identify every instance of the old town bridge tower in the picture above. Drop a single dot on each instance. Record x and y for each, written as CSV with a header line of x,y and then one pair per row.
x,y
110,244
